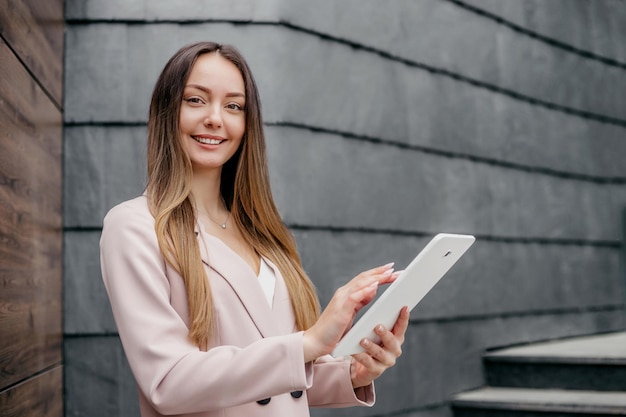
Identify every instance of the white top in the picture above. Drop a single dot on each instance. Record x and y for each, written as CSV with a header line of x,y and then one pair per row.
x,y
267,279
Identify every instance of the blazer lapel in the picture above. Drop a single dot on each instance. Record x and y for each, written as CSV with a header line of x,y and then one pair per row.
x,y
230,266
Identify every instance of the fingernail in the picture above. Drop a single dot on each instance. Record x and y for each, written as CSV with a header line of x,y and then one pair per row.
x,y
379,328
395,274
365,343
389,265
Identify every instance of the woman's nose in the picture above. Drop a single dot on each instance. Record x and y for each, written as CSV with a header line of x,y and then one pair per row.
x,y
213,118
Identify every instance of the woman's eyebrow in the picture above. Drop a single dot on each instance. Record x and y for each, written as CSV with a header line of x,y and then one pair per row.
x,y
208,91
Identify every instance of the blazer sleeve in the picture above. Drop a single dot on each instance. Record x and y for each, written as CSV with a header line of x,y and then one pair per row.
x,y
332,386
173,374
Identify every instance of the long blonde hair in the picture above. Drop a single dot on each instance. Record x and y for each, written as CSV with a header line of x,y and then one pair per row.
x,y
244,186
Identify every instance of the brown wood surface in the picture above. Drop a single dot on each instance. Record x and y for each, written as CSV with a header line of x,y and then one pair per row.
x,y
34,29
30,225
40,396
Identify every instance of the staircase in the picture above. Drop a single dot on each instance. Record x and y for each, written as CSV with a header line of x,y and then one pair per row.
x,y
583,376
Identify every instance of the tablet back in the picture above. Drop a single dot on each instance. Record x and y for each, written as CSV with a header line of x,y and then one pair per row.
x,y
428,267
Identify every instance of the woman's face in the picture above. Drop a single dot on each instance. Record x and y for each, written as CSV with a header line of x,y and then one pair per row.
x,y
212,115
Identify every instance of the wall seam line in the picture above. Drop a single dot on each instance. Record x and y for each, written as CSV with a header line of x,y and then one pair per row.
x,y
451,319
596,179
33,77
31,377
538,36
518,314
614,180
544,241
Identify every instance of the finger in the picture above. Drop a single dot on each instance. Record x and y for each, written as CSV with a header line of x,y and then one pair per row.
x,y
364,295
362,288
373,273
399,329
365,280
390,343
390,278
394,339
368,362
379,353
381,268
364,359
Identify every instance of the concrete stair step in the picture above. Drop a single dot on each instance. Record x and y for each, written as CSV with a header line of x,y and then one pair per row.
x,y
595,362
527,402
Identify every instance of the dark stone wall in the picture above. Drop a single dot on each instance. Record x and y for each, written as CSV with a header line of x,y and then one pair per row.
x,y
387,122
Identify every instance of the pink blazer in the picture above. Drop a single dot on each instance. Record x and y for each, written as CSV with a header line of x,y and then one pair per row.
x,y
255,365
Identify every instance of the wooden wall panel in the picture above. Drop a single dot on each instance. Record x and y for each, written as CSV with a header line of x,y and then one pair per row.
x,y
40,396
34,30
30,225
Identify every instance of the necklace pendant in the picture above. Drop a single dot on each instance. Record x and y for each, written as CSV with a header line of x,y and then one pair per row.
x,y
223,225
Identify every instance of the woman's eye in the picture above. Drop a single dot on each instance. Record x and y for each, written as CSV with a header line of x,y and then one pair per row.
x,y
234,106
194,100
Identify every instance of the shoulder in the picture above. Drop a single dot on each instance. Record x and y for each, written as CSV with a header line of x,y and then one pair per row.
x,y
129,217
129,211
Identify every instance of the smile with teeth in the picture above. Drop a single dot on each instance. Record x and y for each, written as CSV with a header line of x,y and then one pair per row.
x,y
207,141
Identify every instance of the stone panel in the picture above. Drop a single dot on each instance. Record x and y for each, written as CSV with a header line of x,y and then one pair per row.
x,y
98,381
452,194
491,278
103,166
86,308
182,10
440,34
337,88
444,35
328,181
116,71
562,20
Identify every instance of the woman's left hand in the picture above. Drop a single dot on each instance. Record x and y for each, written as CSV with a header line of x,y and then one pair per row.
x,y
377,358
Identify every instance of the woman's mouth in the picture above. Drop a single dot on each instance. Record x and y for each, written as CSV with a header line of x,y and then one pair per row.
x,y
208,140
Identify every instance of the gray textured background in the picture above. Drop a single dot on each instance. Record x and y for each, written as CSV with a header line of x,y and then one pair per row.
x,y
387,122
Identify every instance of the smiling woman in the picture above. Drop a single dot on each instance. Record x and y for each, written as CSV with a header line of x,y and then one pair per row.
x,y
212,118
213,307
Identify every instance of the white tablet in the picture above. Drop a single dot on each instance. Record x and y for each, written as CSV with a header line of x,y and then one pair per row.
x,y
428,267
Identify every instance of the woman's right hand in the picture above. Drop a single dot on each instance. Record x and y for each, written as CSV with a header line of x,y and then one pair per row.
x,y
337,318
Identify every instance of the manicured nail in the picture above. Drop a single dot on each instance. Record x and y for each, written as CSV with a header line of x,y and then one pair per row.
x,y
365,343
389,265
396,274
379,328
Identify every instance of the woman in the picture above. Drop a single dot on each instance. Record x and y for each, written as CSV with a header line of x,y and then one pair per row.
x,y
215,313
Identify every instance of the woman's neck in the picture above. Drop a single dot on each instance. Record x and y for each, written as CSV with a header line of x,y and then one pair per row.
x,y
205,188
